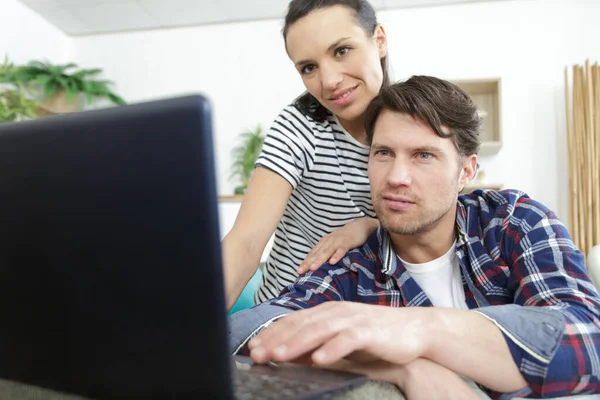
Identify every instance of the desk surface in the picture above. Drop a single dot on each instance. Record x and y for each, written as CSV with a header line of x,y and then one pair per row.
x,y
371,390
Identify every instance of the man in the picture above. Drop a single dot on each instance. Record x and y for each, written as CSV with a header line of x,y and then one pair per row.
x,y
488,286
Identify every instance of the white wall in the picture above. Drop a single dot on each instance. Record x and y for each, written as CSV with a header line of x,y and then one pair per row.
x,y
243,68
26,36
526,43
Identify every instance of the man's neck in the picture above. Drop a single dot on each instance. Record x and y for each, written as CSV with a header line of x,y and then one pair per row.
x,y
427,246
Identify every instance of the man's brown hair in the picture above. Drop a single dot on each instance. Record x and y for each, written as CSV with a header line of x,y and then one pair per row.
x,y
435,102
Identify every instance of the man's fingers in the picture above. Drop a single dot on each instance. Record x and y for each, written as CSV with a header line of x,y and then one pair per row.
x,y
304,331
314,336
344,343
289,325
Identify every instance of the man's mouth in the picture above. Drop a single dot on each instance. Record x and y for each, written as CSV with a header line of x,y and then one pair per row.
x,y
403,199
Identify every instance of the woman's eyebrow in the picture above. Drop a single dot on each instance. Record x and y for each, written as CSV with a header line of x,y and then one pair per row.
x,y
331,47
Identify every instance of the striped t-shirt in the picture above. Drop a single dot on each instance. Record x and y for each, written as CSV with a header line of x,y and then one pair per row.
x,y
327,169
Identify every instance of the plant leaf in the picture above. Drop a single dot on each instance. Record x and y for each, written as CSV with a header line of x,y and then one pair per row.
x,y
50,89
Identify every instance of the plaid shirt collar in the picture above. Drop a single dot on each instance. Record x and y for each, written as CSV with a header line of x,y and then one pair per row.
x,y
412,294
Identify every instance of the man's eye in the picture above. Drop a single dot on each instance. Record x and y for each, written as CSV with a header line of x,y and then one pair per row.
x,y
382,153
425,156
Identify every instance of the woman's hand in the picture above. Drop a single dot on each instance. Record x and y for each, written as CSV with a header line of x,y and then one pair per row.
x,y
332,247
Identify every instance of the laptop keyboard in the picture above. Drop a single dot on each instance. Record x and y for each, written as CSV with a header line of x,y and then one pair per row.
x,y
249,386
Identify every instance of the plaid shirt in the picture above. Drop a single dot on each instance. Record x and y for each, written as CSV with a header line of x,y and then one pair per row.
x,y
520,269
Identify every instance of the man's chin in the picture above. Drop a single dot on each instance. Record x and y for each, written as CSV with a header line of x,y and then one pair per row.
x,y
400,229
404,230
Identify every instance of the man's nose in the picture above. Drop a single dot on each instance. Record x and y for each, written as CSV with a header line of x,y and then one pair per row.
x,y
400,174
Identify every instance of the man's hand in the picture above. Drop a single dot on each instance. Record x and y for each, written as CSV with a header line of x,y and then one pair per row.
x,y
334,330
421,379
331,248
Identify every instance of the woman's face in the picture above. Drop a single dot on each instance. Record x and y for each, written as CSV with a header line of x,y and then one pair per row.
x,y
340,64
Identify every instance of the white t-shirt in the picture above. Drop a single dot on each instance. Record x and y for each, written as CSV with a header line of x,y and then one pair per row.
x,y
327,169
440,279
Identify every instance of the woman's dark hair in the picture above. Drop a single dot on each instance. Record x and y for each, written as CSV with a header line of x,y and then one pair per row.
x,y
437,103
365,17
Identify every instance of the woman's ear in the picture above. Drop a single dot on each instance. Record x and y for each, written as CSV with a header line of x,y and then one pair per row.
x,y
380,40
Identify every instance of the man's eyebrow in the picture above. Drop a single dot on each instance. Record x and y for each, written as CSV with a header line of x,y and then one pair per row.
x,y
420,149
427,149
379,146
332,46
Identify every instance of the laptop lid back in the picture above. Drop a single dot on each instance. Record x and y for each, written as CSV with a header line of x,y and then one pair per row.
x,y
110,262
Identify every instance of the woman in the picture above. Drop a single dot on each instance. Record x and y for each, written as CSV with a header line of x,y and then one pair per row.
x,y
310,185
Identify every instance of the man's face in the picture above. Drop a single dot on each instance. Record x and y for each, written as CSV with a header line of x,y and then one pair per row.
x,y
415,175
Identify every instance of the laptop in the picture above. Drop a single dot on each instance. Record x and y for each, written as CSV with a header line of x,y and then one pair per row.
x,y
111,281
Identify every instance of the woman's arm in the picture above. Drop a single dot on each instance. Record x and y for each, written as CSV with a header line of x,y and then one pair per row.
x,y
261,211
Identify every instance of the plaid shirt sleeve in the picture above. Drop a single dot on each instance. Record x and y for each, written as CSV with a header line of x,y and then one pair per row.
x,y
548,276
329,283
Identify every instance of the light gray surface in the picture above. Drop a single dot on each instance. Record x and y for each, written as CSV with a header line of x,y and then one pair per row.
x,y
371,390
18,391
88,17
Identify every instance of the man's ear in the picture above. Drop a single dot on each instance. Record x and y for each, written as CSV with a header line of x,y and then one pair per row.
x,y
468,171
381,40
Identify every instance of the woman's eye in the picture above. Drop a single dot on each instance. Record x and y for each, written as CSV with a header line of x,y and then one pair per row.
x,y
340,51
307,69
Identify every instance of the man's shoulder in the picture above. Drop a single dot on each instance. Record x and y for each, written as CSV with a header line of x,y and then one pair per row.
x,y
504,204
366,255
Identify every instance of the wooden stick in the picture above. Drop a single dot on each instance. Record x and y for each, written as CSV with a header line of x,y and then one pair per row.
x,y
596,152
583,139
578,129
591,155
589,147
571,160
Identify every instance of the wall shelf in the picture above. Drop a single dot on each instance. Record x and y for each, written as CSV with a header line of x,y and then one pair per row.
x,y
486,95
231,199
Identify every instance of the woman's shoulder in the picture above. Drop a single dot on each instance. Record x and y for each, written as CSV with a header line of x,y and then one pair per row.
x,y
293,114
293,122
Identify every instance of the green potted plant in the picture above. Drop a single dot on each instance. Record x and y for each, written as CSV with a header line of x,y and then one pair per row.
x,y
244,157
14,105
60,85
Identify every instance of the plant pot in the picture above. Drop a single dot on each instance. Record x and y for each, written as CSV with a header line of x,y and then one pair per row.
x,y
60,104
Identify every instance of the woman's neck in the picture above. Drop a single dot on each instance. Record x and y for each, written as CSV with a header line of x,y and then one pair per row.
x,y
356,128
